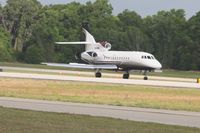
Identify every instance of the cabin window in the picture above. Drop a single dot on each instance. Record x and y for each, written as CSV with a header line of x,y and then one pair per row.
x,y
149,57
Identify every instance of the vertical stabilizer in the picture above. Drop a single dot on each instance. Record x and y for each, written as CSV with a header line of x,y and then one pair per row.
x,y
89,38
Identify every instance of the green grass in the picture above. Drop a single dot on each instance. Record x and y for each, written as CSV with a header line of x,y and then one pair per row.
x,y
176,73
165,73
111,94
22,121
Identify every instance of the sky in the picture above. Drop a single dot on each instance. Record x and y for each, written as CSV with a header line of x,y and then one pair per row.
x,y
142,7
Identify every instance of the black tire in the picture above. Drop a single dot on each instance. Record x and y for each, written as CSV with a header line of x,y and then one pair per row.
x,y
145,78
98,75
126,76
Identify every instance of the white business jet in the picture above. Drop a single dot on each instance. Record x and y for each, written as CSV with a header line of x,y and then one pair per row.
x,y
97,57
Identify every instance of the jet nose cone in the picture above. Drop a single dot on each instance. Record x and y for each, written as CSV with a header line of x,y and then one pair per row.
x,y
158,65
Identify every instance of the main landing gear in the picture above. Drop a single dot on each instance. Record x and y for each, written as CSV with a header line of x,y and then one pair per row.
x,y
145,78
126,75
98,74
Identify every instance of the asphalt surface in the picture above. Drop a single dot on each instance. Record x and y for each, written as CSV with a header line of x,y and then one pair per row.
x,y
182,118
102,80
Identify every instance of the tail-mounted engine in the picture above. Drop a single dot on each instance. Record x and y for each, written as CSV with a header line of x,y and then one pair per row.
x,y
93,54
106,45
78,58
90,56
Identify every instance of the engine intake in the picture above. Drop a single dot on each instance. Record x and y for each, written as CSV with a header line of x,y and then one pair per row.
x,y
93,54
106,45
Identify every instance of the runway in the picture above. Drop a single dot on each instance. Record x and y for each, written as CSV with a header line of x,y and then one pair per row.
x,y
101,80
83,73
182,118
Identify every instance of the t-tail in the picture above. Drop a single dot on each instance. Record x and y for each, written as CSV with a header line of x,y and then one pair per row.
x,y
89,41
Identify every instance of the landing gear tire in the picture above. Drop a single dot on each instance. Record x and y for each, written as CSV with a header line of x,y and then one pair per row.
x,y
126,76
145,78
98,75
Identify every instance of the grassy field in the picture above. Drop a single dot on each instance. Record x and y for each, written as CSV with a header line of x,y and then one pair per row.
x,y
175,73
111,94
22,121
165,73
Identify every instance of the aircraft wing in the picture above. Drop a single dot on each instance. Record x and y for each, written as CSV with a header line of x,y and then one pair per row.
x,y
82,66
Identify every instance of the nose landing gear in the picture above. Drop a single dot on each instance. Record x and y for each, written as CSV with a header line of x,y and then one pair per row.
x,y
145,75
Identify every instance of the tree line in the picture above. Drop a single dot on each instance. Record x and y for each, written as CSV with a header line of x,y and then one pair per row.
x,y
29,29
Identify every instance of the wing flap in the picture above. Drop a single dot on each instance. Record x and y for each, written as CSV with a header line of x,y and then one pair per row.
x,y
82,66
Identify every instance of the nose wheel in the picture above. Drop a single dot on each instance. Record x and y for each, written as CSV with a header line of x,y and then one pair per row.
x,y
145,75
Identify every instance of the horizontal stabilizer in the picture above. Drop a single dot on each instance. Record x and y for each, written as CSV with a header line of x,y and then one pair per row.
x,y
73,42
89,43
82,66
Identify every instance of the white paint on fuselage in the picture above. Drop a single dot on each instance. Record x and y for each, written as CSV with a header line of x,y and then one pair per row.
x,y
123,59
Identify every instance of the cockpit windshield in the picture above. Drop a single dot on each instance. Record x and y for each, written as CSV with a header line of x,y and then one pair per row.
x,y
148,57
